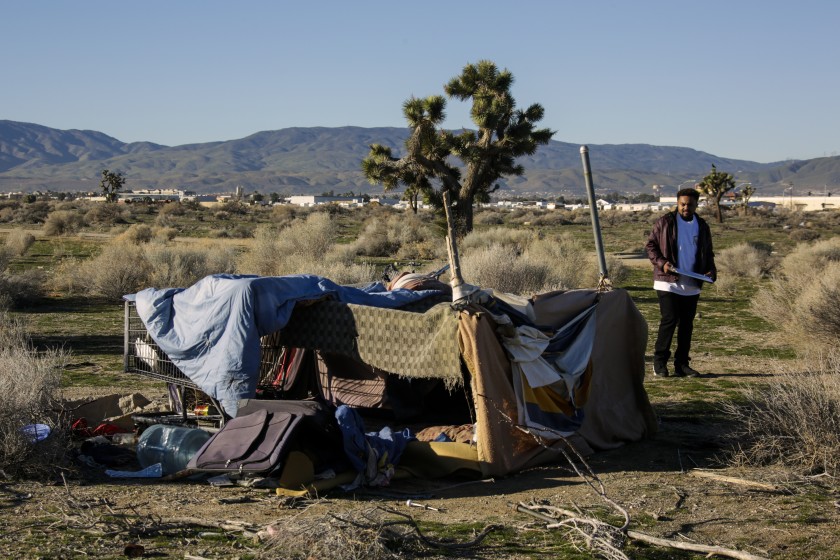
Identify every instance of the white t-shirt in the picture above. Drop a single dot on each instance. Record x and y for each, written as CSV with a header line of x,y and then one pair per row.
x,y
687,237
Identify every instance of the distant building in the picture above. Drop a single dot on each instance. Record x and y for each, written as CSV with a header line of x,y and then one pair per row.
x,y
802,203
150,195
315,200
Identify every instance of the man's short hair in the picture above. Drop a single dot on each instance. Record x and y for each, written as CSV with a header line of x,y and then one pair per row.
x,y
693,193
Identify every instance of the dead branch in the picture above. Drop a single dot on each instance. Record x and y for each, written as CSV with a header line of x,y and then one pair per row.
x,y
439,544
575,522
598,536
588,475
224,525
734,480
718,550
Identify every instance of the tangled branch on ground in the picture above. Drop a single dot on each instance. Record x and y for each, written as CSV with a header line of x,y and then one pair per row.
x,y
362,534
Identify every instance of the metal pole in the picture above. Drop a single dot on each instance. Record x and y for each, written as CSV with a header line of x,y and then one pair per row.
x,y
593,211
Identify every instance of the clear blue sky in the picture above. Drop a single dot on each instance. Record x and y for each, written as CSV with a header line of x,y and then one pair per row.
x,y
753,79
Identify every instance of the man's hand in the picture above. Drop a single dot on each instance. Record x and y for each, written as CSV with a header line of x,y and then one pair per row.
x,y
667,268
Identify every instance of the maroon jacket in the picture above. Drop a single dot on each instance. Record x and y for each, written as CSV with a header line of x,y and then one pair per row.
x,y
662,247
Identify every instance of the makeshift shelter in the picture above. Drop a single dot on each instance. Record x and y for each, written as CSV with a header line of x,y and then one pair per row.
x,y
232,336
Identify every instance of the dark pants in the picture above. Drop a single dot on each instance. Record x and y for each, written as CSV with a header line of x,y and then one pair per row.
x,y
677,313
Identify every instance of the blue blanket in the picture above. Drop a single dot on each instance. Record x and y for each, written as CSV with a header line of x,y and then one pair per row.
x,y
211,331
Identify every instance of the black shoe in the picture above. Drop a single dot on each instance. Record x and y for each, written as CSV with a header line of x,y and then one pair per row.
x,y
685,371
660,371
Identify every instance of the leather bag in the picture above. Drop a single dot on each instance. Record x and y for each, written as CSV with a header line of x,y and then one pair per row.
x,y
255,443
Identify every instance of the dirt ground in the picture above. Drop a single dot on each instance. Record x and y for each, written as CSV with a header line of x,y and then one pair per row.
x,y
656,481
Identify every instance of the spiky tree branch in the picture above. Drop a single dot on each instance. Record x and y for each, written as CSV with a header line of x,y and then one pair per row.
x,y
714,186
487,154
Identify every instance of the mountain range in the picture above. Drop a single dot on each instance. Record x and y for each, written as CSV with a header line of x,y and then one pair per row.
x,y
319,159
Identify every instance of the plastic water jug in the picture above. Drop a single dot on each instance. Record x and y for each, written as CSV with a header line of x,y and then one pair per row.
x,y
171,446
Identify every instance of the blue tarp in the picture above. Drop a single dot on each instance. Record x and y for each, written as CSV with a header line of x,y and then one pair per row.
x,y
211,331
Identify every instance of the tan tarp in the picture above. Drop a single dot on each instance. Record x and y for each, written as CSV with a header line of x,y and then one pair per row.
x,y
618,410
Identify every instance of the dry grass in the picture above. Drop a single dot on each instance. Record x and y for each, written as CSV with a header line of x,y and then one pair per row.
x,y
63,222
572,265
29,390
525,263
404,236
23,287
136,234
745,260
793,421
183,266
803,299
532,263
19,241
365,536
503,268
130,263
306,246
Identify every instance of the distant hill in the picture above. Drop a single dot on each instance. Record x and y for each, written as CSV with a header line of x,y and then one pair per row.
x,y
317,159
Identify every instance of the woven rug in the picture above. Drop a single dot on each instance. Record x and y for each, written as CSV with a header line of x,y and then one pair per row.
x,y
409,344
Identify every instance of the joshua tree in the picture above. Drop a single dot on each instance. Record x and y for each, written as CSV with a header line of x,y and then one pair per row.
x,y
744,196
486,154
714,186
111,184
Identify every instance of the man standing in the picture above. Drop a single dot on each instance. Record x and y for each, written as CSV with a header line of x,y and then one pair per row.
x,y
680,240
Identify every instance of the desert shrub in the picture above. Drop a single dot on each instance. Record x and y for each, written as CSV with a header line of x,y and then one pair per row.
x,y
549,219
340,272
103,214
119,269
726,285
523,262
570,263
136,234
18,289
164,234
235,208
172,209
367,534
19,241
800,299
745,260
803,234
498,236
6,256
261,257
240,231
810,258
793,421
32,213
306,246
427,249
819,305
22,288
581,216
405,235
29,394
524,217
305,241
182,266
374,240
488,217
63,222
70,278
283,215
503,268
